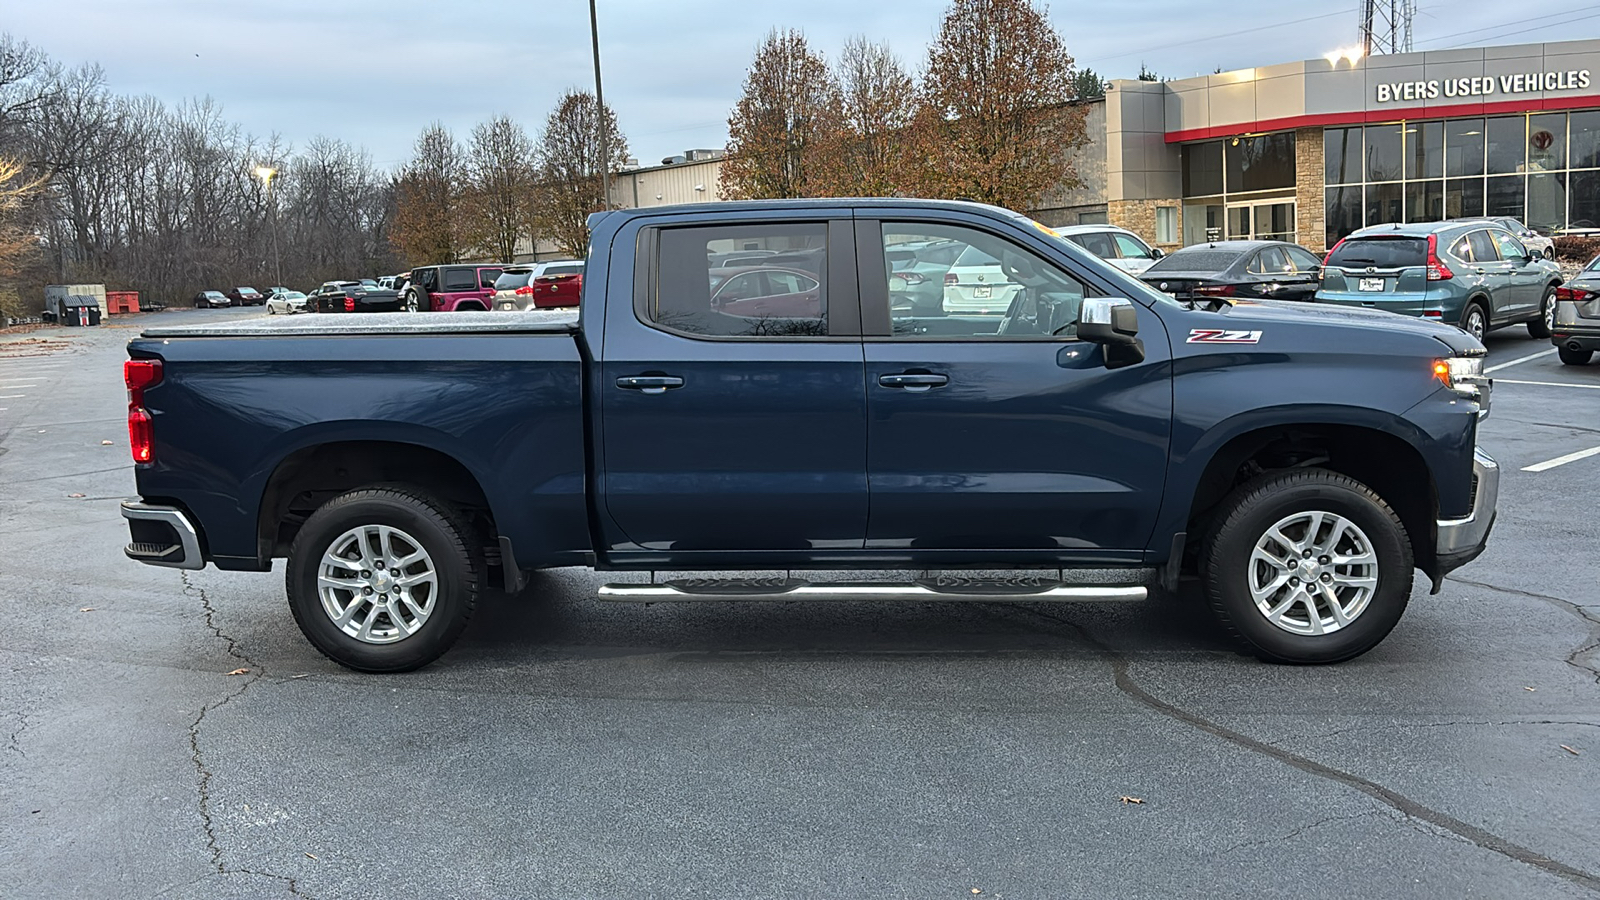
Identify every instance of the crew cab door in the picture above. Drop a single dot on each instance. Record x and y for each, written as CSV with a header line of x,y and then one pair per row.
x,y
990,436
732,431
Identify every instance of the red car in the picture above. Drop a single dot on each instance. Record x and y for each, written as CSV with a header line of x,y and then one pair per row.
x,y
558,284
455,288
246,296
762,291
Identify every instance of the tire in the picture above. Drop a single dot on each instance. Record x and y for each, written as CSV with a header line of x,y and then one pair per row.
x,y
271,311
1571,357
434,611
1540,327
1475,319
1550,252
1230,568
413,302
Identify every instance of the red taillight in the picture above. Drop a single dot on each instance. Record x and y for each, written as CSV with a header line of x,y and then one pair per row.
x,y
910,277
1214,290
1575,295
949,278
523,291
1437,270
349,304
139,374
1433,314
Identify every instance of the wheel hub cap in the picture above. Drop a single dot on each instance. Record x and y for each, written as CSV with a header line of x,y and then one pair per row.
x,y
377,584
1313,573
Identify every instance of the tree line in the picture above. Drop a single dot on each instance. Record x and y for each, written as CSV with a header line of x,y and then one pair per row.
x,y
991,115
169,200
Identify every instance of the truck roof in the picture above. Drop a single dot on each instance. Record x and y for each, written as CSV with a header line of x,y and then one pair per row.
x,y
734,206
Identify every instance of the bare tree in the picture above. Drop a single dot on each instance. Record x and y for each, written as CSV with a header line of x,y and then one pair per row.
x,y
500,180
1000,79
569,170
427,227
874,150
779,132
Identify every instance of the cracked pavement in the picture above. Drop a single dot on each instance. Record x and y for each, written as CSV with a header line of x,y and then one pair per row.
x,y
576,749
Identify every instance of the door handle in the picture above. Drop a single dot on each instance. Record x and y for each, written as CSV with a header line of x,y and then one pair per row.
x,y
649,384
913,381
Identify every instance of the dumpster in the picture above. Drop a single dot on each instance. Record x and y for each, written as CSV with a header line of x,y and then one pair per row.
x,y
79,310
122,302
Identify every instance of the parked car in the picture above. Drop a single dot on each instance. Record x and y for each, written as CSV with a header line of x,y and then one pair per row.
x,y
1118,246
245,296
352,296
977,284
1301,462
1265,270
738,258
1575,318
766,291
454,288
211,300
1473,274
917,271
285,301
1543,245
541,285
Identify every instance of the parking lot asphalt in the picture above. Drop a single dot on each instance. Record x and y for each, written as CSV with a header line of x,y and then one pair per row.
x,y
570,748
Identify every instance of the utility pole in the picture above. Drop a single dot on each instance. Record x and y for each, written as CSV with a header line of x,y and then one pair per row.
x,y
266,173
600,101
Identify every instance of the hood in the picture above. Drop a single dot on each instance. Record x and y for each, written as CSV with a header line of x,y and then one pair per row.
x,y
1273,311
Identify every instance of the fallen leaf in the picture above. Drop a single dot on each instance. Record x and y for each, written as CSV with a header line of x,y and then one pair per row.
x,y
309,856
1133,800
1570,750
85,609
106,443
1530,689
240,672
76,496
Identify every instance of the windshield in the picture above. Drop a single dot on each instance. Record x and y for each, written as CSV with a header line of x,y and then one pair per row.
x,y
1195,260
1380,252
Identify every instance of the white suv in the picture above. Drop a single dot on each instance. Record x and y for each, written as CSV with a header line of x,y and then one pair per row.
x,y
1118,246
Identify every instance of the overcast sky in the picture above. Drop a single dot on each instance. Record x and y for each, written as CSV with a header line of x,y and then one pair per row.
x,y
374,73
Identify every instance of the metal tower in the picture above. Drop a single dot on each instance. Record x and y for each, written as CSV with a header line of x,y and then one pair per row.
x,y
1386,26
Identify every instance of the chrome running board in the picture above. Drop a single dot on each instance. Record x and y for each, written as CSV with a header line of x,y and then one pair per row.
x,y
944,588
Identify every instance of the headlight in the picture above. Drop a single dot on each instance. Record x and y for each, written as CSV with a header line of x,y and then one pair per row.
x,y
1464,375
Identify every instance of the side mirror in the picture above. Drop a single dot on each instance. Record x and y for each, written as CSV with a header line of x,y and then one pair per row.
x,y
1155,253
1114,324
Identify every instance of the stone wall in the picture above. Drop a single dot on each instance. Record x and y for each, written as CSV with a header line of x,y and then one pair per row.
x,y
1139,217
1309,197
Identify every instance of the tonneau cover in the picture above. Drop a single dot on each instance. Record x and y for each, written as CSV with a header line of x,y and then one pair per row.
x,y
559,321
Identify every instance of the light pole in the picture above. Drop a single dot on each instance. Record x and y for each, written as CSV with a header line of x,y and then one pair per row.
x,y
600,101
265,173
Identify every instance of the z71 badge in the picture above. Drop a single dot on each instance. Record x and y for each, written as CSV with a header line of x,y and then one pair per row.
x,y
1222,336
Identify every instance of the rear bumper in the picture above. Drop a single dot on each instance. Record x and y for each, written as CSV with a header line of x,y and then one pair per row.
x,y
1460,541
162,536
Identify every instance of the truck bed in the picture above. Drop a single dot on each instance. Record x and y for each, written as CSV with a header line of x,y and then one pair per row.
x,y
560,321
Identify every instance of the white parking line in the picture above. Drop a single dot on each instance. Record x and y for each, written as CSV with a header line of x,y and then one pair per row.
x,y
12,396
1561,460
1518,362
1587,387
19,384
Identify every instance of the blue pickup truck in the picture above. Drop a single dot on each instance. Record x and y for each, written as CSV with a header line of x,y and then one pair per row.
x,y
1086,439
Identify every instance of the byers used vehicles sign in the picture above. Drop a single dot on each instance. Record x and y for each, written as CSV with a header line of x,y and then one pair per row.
x,y
1525,83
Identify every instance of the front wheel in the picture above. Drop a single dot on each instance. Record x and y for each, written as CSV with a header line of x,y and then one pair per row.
x,y
1540,328
1571,356
1308,566
383,579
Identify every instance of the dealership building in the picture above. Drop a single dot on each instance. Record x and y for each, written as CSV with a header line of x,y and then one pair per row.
x,y
1310,151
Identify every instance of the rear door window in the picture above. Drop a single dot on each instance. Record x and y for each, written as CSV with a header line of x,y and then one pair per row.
x,y
459,279
681,295
1096,242
1483,249
487,278
1380,253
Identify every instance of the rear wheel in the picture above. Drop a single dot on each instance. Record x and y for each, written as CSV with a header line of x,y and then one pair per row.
x,y
1541,327
1574,357
1308,566
383,579
1475,320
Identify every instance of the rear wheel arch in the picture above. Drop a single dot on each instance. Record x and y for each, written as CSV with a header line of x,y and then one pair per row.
x,y
1388,464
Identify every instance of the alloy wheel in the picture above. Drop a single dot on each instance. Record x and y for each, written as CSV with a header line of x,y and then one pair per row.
x,y
377,584
1313,573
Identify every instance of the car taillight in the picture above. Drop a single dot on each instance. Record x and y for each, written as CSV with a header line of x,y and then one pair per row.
x,y
1214,290
1437,270
139,374
1576,295
524,290
949,278
910,277
349,304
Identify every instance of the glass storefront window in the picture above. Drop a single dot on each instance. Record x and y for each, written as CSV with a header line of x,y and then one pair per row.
x,y
1585,140
1547,201
1585,191
1424,150
1202,169
1504,196
1424,201
1547,142
1383,152
1342,213
1260,163
1463,147
1341,156
1198,221
1166,224
1463,197
1384,203
1506,139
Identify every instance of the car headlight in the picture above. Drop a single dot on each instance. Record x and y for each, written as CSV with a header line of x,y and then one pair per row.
x,y
1464,375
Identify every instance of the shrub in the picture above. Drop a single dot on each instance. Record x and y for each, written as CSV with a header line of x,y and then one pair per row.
x,y
1577,248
